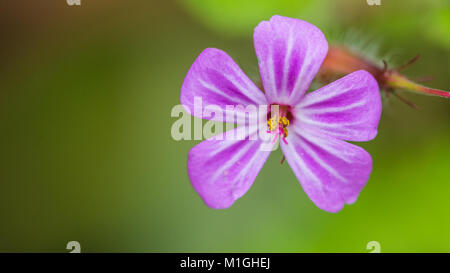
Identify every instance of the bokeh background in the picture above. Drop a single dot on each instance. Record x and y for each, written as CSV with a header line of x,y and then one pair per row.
x,y
86,152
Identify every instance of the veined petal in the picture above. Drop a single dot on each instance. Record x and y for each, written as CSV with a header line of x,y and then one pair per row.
x,y
332,172
222,171
348,108
290,52
217,80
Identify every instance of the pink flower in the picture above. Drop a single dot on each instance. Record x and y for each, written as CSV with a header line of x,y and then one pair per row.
x,y
314,127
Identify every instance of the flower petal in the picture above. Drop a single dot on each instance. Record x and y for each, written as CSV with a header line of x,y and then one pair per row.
x,y
222,171
290,52
217,80
348,108
331,171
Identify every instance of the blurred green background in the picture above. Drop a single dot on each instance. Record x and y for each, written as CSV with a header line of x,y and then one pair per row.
x,y
86,152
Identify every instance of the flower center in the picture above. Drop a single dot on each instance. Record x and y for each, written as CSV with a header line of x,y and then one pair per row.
x,y
278,121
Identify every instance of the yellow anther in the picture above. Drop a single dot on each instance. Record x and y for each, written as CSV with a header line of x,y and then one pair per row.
x,y
271,123
284,121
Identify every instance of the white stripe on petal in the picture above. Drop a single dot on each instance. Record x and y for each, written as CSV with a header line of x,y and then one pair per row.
x,y
322,110
214,89
322,163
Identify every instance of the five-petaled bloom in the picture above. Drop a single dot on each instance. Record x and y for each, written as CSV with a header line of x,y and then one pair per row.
x,y
313,127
